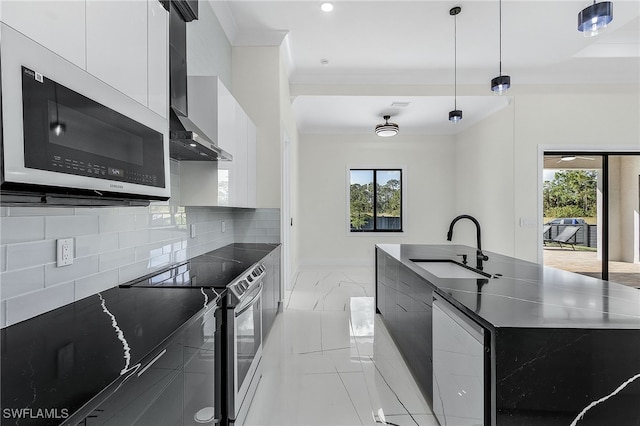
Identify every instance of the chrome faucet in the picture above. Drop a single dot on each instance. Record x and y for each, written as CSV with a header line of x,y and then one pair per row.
x,y
480,257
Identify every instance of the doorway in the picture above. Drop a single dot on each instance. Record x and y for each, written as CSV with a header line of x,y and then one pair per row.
x,y
591,220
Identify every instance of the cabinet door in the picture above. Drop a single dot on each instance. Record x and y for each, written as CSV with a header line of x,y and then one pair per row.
x,y
57,25
251,165
240,172
117,45
226,115
158,57
156,388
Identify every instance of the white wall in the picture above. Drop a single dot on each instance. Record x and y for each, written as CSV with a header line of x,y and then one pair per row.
x,y
485,182
323,189
575,117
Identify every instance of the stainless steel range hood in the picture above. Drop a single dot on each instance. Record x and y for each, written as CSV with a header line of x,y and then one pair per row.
x,y
187,141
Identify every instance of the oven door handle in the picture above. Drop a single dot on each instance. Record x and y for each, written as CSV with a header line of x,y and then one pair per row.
x,y
243,307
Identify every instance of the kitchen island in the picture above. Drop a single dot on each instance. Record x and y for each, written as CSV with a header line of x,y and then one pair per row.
x,y
554,348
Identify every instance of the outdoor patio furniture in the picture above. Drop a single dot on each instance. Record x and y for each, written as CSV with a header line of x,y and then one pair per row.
x,y
546,235
567,233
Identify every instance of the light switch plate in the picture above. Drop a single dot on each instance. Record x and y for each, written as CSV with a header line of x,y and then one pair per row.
x,y
64,255
223,226
192,230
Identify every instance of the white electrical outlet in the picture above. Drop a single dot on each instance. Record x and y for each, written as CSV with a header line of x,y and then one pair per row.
x,y
223,226
64,254
192,230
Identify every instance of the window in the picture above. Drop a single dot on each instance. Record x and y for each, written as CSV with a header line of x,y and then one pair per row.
x,y
375,193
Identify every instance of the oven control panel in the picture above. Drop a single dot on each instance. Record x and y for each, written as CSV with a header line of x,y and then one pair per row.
x,y
246,282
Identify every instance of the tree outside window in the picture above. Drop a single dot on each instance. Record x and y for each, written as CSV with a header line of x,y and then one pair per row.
x,y
375,200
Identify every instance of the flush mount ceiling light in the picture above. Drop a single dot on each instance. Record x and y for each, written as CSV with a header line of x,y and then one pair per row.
x,y
592,20
326,7
387,129
455,115
501,83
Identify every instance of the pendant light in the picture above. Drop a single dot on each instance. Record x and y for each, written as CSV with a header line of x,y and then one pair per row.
x,y
593,19
387,129
501,83
455,115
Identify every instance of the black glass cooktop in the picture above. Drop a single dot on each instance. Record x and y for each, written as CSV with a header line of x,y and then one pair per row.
x,y
215,269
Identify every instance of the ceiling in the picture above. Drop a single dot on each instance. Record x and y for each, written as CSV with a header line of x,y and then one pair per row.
x,y
396,44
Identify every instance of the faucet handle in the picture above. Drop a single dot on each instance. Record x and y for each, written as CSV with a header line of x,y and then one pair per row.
x,y
482,256
464,258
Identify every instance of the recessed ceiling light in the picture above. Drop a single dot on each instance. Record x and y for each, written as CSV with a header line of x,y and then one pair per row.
x,y
400,104
326,7
324,62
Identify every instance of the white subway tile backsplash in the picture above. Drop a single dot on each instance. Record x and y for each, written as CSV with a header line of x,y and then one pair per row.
x,y
38,211
112,246
16,283
88,245
148,251
160,234
116,259
81,267
96,211
21,229
134,270
38,302
25,255
133,238
3,314
117,223
142,221
93,284
70,226
3,258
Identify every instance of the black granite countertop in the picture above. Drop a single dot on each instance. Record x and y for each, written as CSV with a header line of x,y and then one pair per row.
x,y
214,269
63,358
526,294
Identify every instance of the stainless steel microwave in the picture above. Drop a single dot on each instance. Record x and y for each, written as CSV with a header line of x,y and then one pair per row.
x,y
66,135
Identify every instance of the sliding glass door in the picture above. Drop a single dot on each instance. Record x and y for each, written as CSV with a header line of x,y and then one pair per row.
x,y
591,204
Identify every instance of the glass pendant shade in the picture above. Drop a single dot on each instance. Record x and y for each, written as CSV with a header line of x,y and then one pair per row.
x,y
592,20
455,115
500,84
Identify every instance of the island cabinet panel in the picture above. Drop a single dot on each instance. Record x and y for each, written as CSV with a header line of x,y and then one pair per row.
x,y
404,301
546,376
560,348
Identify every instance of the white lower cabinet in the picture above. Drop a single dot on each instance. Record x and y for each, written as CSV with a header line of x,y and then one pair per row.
x,y
458,367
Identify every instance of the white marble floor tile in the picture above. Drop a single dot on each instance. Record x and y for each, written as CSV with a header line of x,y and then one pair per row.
x,y
330,361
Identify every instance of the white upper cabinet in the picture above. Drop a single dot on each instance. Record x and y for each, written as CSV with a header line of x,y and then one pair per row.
x,y
158,58
217,113
123,43
117,45
251,165
57,25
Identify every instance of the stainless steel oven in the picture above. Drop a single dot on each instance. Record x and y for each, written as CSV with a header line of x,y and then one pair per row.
x,y
244,342
65,131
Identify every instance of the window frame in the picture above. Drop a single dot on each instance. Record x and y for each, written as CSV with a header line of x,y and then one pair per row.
x,y
374,169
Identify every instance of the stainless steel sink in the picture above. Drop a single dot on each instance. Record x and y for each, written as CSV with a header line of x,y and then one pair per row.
x,y
443,268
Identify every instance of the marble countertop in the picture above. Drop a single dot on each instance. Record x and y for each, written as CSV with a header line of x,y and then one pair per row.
x,y
526,294
63,358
